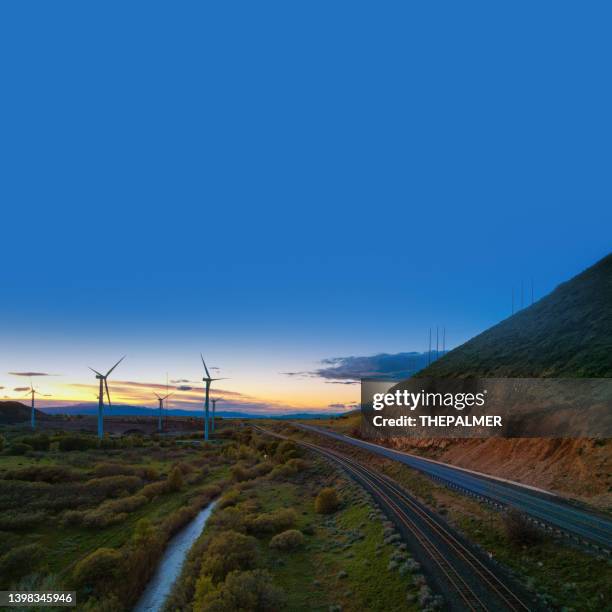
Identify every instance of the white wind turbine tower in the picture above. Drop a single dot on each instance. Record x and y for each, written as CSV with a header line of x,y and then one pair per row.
x,y
33,393
103,385
207,381
161,399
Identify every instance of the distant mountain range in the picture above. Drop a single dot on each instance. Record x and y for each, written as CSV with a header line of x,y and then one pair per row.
x,y
128,410
568,333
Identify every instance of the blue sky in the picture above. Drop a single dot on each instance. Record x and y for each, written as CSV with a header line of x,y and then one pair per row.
x,y
277,184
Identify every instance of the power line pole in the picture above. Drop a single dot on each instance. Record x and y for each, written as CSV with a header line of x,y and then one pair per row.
x,y
429,351
437,342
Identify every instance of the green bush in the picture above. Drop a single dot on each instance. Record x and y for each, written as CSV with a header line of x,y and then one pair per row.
x,y
327,501
42,473
285,450
113,486
287,540
251,591
19,448
21,520
272,522
39,442
155,489
519,530
20,561
175,480
76,443
229,519
229,499
229,551
98,570
113,469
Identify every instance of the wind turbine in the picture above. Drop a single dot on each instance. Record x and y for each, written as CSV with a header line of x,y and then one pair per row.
x,y
207,381
103,384
33,393
161,407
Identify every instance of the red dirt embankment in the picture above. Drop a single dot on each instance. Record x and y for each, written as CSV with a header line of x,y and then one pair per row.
x,y
578,468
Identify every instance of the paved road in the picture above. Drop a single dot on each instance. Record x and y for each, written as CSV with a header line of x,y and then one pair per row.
x,y
544,507
467,578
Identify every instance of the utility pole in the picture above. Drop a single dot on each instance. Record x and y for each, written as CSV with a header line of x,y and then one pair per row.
x,y
429,352
437,342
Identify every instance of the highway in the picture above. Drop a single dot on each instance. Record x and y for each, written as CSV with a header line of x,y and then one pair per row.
x,y
551,510
466,578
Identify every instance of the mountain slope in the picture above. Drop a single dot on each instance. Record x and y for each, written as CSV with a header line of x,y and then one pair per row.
x,y
16,412
568,333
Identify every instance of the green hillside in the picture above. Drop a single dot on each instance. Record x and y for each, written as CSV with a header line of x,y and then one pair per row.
x,y
567,333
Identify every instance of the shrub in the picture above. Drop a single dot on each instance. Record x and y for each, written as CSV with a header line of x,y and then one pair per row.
x,y
285,450
519,530
229,551
42,473
20,561
229,499
19,448
39,442
175,480
287,540
112,469
327,501
229,519
251,590
76,443
21,520
98,570
113,486
155,489
273,522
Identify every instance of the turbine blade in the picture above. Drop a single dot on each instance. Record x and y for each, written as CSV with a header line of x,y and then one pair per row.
x,y
169,395
96,371
157,396
107,393
225,378
207,373
115,365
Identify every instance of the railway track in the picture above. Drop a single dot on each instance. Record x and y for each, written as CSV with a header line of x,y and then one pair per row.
x,y
550,512
468,580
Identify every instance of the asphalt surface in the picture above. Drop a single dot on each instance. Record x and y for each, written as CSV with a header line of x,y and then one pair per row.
x,y
549,509
467,579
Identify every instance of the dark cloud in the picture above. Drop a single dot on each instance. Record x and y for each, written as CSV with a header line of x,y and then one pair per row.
x,y
24,389
184,388
339,406
30,374
349,370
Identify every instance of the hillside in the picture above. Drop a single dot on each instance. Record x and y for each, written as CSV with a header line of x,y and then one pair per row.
x,y
16,412
568,333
